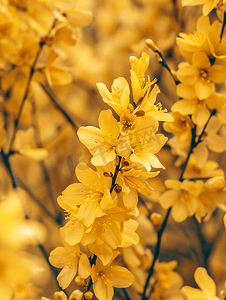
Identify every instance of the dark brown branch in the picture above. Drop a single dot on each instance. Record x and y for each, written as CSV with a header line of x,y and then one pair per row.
x,y
32,70
56,102
115,175
37,201
223,26
156,253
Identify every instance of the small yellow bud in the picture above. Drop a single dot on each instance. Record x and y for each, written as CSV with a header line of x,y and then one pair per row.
x,y
80,281
76,295
156,219
152,45
60,296
88,295
225,227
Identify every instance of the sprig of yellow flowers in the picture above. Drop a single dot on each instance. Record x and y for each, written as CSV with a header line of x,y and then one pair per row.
x,y
102,206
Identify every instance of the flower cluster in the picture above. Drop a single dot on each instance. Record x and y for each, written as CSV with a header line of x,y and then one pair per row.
x,y
101,206
35,38
199,124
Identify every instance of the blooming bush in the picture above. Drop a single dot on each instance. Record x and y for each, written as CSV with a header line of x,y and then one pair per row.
x,y
112,166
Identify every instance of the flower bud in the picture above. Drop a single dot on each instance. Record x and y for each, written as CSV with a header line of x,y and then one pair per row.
x,y
88,295
80,281
60,296
156,219
76,295
152,45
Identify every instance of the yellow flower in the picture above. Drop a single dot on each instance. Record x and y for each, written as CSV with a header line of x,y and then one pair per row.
x,y
91,195
191,105
138,68
179,149
165,275
190,43
71,260
128,122
106,142
208,4
118,99
55,74
24,144
206,284
74,229
144,144
75,295
132,178
183,197
146,106
214,141
106,277
26,54
217,101
202,169
212,196
201,74
181,126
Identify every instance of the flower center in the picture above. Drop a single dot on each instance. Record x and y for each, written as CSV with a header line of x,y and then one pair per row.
x,y
117,92
204,74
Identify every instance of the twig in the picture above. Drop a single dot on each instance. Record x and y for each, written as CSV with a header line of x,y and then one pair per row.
x,y
192,146
176,11
163,226
37,201
54,271
161,59
204,128
156,253
15,186
56,102
223,26
5,158
126,294
42,164
16,122
115,175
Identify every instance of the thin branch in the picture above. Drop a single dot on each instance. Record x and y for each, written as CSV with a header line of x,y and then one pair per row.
x,y
156,253
161,59
42,164
28,87
115,175
56,102
176,11
192,146
5,158
163,226
54,271
126,294
37,201
204,128
223,26
16,185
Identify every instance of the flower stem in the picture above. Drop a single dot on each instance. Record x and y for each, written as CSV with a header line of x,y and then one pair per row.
x,y
223,26
116,173
55,100
156,253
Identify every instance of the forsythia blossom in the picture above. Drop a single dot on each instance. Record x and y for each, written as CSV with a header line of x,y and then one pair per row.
x,y
101,205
